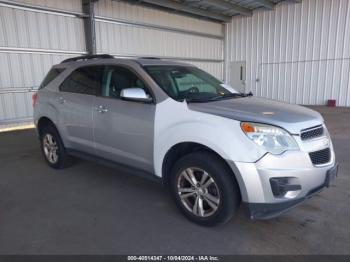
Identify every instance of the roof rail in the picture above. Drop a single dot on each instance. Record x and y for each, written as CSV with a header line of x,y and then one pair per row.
x,y
86,57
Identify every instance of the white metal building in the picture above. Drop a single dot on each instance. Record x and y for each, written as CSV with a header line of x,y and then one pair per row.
x,y
298,53
295,51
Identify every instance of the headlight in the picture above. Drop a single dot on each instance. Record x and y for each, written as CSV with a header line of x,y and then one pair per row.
x,y
274,139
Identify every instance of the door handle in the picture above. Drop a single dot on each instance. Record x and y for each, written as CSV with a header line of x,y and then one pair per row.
x,y
101,109
61,100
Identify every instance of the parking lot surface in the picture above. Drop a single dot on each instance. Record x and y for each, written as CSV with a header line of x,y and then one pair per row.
x,y
92,209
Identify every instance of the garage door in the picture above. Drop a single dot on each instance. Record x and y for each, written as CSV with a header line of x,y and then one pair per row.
x,y
31,41
33,38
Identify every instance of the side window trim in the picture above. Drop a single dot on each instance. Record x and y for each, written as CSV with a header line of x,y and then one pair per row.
x,y
97,90
47,81
129,68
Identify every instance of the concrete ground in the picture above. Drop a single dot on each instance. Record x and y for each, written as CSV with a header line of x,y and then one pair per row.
x,y
92,209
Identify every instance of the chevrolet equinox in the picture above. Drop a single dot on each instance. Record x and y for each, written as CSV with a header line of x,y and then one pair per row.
x,y
212,147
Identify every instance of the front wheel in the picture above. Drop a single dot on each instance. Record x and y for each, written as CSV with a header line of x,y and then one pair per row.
x,y
205,189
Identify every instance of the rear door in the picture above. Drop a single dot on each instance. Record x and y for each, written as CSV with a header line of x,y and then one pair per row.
x,y
123,130
75,102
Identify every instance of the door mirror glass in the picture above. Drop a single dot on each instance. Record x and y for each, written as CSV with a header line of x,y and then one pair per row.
x,y
135,94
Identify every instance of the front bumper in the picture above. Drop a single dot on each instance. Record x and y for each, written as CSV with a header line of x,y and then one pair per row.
x,y
268,210
303,180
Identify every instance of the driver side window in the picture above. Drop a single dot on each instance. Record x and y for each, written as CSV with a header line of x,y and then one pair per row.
x,y
116,79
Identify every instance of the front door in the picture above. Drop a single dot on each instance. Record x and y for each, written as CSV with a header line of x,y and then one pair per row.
x,y
123,130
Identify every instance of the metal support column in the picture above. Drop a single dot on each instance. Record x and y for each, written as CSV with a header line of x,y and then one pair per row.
x,y
89,26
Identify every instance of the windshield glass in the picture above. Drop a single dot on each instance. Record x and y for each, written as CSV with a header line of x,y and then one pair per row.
x,y
190,83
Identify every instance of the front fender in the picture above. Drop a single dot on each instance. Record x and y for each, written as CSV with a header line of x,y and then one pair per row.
x,y
220,134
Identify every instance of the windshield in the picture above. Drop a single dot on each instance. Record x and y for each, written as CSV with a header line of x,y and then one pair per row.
x,y
189,83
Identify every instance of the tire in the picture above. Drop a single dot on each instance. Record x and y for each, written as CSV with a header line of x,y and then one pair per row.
x,y
217,199
58,158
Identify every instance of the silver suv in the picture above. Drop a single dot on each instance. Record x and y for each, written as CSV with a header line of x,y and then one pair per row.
x,y
210,145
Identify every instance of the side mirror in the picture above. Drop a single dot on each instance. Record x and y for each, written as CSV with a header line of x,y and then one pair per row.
x,y
135,94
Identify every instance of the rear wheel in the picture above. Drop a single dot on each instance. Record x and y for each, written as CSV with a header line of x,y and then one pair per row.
x,y
205,189
53,149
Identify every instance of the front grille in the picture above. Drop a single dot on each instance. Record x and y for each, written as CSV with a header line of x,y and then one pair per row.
x,y
320,157
311,133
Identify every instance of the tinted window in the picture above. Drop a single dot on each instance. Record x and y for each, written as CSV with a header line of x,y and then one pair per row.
x,y
51,75
85,80
118,78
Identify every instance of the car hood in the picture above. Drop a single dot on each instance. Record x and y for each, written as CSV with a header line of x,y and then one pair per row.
x,y
293,118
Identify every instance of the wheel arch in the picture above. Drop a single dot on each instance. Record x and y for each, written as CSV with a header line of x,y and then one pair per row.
x,y
46,121
180,149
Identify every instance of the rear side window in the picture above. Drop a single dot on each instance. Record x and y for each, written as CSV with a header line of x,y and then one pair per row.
x,y
85,80
51,75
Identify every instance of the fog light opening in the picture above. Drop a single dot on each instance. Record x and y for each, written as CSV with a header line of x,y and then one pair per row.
x,y
284,186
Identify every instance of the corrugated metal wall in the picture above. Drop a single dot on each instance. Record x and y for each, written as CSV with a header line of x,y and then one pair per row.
x,y
31,41
69,5
124,29
298,53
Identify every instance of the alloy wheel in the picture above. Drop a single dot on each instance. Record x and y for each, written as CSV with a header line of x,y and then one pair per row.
x,y
198,192
50,148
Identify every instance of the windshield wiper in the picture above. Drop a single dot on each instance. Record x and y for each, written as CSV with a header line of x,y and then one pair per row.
x,y
216,98
197,100
211,99
231,95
